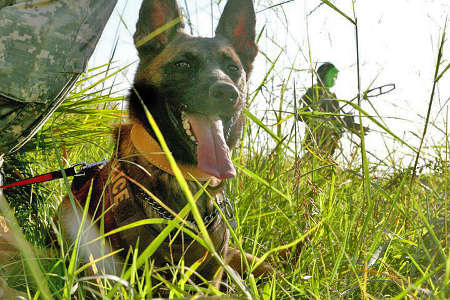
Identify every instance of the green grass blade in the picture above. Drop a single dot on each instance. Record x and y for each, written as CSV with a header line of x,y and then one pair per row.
x,y
339,11
262,181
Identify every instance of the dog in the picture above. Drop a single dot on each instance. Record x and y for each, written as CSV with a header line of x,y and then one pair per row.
x,y
194,88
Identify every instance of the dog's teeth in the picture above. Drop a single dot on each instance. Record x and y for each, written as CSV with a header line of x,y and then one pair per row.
x,y
187,127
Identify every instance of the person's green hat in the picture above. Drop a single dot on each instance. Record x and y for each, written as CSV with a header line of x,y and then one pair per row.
x,y
327,73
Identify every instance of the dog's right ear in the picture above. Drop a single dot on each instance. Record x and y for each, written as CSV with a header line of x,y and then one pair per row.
x,y
159,21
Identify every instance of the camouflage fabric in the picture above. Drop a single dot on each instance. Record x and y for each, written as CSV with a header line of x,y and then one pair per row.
x,y
1,176
323,132
44,46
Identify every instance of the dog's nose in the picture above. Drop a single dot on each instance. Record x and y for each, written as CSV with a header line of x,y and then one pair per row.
x,y
222,91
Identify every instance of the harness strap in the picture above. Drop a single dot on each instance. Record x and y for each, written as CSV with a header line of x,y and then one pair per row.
x,y
121,207
126,210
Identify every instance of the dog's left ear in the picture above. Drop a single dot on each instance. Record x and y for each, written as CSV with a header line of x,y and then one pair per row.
x,y
237,24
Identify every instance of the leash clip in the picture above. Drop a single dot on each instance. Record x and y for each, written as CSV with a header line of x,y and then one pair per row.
x,y
80,171
84,167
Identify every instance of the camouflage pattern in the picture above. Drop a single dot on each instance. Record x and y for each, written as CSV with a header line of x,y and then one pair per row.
x,y
323,132
1,176
44,46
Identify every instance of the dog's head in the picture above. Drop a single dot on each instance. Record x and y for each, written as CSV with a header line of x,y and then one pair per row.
x,y
194,87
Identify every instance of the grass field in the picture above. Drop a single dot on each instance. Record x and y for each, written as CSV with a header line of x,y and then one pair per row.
x,y
355,231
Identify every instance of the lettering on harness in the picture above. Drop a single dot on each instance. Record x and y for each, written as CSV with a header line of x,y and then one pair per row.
x,y
119,187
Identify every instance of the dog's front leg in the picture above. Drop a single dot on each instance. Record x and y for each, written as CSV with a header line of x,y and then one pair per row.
x,y
71,222
235,261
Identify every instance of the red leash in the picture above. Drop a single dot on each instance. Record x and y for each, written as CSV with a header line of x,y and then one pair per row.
x,y
76,170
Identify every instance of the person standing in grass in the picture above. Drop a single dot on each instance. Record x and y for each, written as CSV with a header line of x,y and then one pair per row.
x,y
324,129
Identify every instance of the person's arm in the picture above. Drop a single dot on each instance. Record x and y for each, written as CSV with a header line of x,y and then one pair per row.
x,y
352,126
347,121
307,103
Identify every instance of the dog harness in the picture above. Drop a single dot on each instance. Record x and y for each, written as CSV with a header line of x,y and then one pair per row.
x,y
121,201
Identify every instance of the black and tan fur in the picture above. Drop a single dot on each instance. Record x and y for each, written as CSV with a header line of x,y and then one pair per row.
x,y
178,73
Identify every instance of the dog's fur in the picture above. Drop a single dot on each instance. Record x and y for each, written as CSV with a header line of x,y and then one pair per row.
x,y
204,78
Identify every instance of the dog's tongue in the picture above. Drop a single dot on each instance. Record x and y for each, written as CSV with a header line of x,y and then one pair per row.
x,y
213,154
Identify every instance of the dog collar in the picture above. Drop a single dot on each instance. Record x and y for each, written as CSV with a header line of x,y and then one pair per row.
x,y
149,148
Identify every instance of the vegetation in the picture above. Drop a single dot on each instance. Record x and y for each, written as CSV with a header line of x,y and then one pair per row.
x,y
353,230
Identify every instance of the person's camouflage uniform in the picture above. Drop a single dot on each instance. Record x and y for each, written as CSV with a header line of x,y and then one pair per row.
x,y
44,46
323,132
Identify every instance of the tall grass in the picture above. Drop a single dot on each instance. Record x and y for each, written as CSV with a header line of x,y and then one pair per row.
x,y
352,233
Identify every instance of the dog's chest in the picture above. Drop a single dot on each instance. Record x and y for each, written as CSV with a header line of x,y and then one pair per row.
x,y
123,196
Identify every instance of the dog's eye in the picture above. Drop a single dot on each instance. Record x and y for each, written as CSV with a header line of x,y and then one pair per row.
x,y
233,68
183,65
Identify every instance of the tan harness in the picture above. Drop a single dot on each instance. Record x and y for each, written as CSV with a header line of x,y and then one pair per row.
x,y
121,201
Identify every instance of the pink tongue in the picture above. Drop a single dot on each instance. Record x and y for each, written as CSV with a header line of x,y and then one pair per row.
x,y
213,154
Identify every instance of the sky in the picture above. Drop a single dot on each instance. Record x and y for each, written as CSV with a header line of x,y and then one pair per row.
x,y
398,43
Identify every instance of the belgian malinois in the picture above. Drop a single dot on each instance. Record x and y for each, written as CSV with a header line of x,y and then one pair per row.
x,y
194,88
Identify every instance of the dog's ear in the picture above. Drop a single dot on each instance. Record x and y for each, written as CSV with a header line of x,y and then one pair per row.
x,y
237,24
157,16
